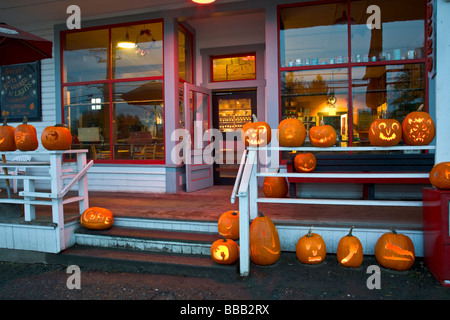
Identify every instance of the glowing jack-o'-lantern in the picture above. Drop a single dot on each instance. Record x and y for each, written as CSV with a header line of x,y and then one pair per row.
x,y
275,187
57,137
256,133
7,142
322,136
25,136
265,248
305,162
228,225
385,132
418,128
311,248
97,218
224,251
395,251
440,176
350,251
291,133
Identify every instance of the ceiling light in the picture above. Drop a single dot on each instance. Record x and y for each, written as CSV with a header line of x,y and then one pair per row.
x,y
203,1
126,43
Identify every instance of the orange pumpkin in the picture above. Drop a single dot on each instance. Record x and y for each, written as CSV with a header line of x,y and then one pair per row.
x,y
57,137
7,142
256,133
322,136
265,247
305,162
291,133
25,136
97,218
311,248
395,251
350,251
275,187
440,176
225,251
385,132
418,128
228,225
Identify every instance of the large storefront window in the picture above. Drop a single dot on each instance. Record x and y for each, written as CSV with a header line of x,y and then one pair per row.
x,y
113,96
338,70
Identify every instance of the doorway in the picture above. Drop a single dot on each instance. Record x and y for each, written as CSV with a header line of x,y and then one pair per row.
x,y
231,110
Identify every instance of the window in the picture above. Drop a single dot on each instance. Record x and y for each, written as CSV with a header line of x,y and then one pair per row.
x,y
113,96
337,70
236,67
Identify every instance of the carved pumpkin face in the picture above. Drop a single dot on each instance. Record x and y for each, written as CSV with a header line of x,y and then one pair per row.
x,y
97,218
256,134
56,137
440,176
265,248
25,136
395,251
305,162
7,142
350,251
224,251
228,225
385,132
418,128
322,136
275,187
291,133
311,248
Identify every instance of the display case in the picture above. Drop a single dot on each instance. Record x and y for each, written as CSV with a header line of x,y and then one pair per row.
x,y
234,113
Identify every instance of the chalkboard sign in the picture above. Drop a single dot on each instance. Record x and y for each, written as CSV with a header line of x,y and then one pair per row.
x,y
20,94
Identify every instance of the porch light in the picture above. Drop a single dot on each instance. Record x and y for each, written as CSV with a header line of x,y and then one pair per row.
x,y
203,1
126,43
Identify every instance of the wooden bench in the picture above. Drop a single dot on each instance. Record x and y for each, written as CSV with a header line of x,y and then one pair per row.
x,y
366,169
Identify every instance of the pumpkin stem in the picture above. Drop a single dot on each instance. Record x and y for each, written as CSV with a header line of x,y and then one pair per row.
x,y
350,233
254,119
5,120
260,214
223,238
310,232
393,231
25,120
234,213
420,107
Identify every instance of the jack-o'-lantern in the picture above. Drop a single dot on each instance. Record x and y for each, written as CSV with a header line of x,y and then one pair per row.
x,y
323,135
275,187
224,251
265,248
440,176
418,128
305,162
350,251
311,248
25,136
228,225
256,133
97,218
56,137
385,132
395,251
7,142
291,133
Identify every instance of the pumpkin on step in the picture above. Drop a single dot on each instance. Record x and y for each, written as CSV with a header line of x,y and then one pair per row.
x,y
291,133
256,133
57,137
25,136
305,162
265,248
228,225
97,218
395,251
322,136
225,251
385,132
311,248
275,187
440,176
418,128
350,251
7,142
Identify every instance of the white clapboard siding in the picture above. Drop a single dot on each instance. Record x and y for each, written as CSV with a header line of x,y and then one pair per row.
x,y
28,237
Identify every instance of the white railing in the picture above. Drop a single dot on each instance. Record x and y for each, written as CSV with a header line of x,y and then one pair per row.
x,y
55,173
246,188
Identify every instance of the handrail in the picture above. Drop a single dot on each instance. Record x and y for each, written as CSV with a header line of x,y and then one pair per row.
x,y
238,177
344,149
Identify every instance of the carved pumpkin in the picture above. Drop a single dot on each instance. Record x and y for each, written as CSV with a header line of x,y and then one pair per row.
x,y
224,251
7,142
395,251
305,162
322,136
311,248
418,128
56,137
385,132
440,176
265,248
97,218
228,225
275,187
256,133
350,251
25,136
291,133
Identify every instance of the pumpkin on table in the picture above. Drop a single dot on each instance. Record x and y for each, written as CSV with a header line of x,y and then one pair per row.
x,y
228,225
256,133
57,137
224,251
7,142
395,251
305,162
418,128
311,248
440,176
275,187
350,251
25,136
323,135
291,133
385,132
265,247
97,218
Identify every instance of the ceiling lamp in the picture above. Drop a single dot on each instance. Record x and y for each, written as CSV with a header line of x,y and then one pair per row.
x,y
203,1
126,43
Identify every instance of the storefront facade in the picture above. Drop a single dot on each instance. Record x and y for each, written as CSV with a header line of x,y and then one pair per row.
x,y
337,62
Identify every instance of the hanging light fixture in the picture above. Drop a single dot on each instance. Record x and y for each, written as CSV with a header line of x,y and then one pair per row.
x,y
126,43
203,1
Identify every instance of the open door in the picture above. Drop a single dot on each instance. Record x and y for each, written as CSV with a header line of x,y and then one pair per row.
x,y
198,119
